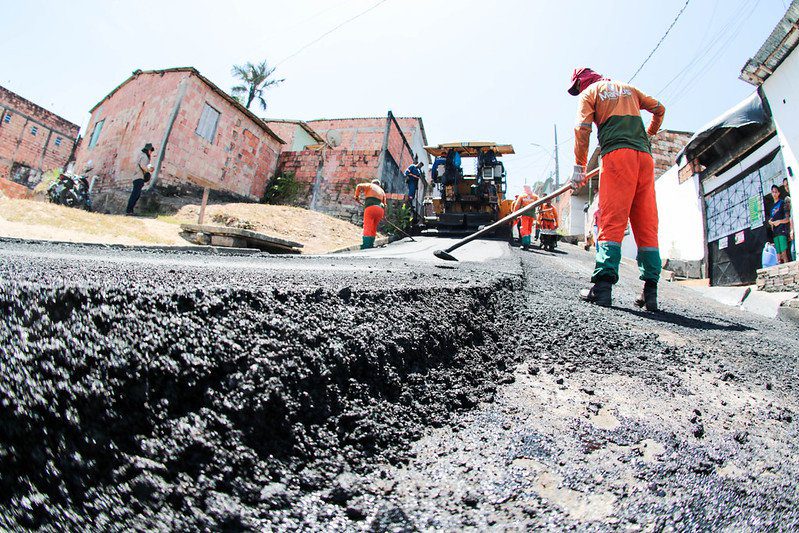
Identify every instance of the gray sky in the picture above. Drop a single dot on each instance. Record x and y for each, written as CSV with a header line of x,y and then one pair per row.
x,y
474,70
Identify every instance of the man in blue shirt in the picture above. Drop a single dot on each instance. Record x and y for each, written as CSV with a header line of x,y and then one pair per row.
x,y
412,175
435,174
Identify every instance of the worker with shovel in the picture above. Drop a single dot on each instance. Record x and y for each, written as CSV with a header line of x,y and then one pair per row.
x,y
626,182
526,198
374,205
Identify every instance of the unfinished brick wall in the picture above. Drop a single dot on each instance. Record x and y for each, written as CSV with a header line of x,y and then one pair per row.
x,y
328,178
134,115
33,140
779,278
285,130
665,147
355,133
240,159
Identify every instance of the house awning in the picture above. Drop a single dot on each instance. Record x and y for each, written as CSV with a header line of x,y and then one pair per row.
x,y
751,113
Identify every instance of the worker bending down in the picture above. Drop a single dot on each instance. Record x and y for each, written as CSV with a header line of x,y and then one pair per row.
x,y
374,204
626,179
548,223
526,198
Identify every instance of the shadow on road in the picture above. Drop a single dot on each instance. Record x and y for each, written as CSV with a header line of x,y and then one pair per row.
x,y
685,321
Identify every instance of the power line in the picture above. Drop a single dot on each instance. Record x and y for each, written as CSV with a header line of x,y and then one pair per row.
x,y
702,53
362,13
660,41
679,95
288,29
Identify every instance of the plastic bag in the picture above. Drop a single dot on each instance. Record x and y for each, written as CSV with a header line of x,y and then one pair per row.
x,y
769,257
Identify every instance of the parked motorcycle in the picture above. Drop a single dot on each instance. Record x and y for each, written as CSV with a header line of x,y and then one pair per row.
x,y
71,191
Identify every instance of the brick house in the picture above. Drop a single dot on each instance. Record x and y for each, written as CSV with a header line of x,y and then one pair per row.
x,y
297,135
356,150
33,140
200,133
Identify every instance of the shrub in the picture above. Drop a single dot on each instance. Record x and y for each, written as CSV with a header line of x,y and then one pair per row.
x,y
282,189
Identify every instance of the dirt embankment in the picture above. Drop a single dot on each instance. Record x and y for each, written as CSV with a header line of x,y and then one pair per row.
x,y
30,219
137,400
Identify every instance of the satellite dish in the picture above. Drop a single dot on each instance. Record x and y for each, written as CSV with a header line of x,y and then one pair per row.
x,y
333,138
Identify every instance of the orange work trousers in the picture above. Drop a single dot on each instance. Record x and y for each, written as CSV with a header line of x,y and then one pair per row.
x,y
372,216
627,192
527,226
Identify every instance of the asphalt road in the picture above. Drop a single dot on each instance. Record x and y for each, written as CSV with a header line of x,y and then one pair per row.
x,y
382,390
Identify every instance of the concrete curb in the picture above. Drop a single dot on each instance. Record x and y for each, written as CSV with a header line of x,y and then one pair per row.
x,y
214,250
751,300
382,241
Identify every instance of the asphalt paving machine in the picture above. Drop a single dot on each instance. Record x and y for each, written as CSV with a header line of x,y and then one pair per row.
x,y
464,201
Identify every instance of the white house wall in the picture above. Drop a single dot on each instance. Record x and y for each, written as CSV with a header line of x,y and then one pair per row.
x,y
680,229
302,139
782,92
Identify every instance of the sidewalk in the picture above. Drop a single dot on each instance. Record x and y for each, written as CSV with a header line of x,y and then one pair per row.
x,y
781,305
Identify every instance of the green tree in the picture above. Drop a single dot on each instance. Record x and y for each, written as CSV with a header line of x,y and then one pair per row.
x,y
255,80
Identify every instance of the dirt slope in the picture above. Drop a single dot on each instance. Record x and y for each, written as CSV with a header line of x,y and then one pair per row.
x,y
29,219
318,232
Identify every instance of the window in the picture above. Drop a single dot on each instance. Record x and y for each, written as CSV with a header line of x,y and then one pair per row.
x,y
208,122
58,141
34,130
98,127
7,118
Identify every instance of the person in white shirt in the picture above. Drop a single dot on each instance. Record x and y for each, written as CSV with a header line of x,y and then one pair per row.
x,y
142,172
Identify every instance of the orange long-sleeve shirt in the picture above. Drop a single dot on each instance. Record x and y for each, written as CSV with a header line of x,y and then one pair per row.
x,y
615,108
548,218
524,200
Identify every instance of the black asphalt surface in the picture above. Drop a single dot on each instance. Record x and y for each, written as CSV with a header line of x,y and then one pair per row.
x,y
149,390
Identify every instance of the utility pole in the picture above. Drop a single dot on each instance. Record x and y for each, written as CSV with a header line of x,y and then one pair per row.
x,y
557,165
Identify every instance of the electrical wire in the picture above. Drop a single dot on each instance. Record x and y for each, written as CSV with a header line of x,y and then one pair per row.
x,y
702,53
701,72
660,41
362,13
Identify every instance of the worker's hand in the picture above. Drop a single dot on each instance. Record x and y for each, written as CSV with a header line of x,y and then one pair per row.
x,y
578,176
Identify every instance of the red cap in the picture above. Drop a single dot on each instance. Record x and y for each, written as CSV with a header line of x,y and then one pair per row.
x,y
582,78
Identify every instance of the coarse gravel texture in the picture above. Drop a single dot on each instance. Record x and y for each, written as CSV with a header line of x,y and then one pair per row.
x,y
182,392
141,391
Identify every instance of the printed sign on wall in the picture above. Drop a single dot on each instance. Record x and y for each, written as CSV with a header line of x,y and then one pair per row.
x,y
755,212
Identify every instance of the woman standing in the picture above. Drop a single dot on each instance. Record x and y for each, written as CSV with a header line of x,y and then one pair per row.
x,y
780,222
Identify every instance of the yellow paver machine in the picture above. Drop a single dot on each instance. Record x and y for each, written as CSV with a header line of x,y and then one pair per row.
x,y
469,186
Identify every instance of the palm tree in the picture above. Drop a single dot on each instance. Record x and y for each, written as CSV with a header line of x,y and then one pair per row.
x,y
256,79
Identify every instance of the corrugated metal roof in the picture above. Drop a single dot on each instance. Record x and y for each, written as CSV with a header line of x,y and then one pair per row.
x,y
782,41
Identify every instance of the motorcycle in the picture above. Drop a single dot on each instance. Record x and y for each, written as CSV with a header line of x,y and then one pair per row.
x,y
71,191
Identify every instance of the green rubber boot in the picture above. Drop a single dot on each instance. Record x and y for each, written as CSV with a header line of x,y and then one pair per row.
x,y
526,242
608,257
368,242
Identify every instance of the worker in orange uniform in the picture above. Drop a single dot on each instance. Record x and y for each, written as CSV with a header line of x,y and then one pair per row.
x,y
548,223
626,179
374,205
526,231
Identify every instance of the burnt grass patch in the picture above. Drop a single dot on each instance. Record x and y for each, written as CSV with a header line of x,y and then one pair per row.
x,y
211,408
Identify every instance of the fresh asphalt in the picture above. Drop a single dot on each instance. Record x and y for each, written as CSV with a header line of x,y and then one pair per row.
x,y
382,390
